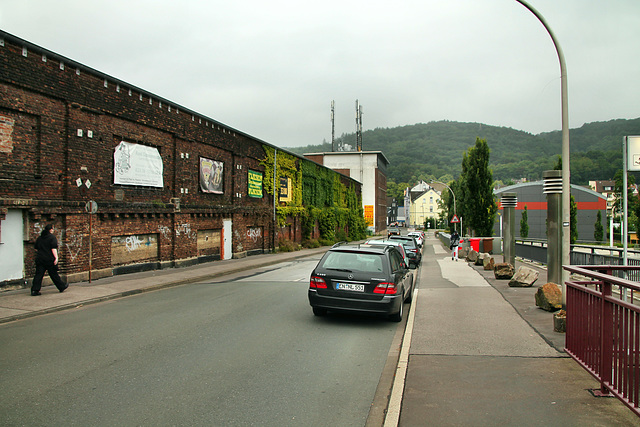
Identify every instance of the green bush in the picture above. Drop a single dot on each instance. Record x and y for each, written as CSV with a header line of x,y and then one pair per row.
x,y
325,242
285,245
311,243
341,236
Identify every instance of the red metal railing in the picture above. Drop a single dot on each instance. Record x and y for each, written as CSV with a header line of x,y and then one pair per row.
x,y
603,329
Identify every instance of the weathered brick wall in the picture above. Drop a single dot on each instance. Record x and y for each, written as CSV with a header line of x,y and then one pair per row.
x,y
60,122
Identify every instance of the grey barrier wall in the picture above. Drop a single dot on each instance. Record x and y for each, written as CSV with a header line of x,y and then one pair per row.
x,y
536,250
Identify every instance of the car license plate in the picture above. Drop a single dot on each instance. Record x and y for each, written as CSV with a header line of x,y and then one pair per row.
x,y
349,287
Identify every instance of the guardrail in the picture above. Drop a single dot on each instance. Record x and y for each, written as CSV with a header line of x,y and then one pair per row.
x,y
536,250
603,329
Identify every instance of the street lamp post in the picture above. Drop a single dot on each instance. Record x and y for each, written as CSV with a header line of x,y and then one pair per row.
x,y
455,211
566,187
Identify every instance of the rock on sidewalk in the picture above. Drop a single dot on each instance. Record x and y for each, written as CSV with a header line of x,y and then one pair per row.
x,y
549,297
503,270
481,258
488,263
472,256
525,277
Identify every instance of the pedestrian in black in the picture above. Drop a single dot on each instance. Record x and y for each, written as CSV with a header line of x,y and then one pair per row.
x,y
454,242
47,260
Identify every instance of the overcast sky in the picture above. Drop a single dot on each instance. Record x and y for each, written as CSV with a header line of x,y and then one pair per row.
x,y
272,68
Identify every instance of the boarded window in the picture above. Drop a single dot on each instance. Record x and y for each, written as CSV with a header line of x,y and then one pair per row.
x,y
133,249
209,242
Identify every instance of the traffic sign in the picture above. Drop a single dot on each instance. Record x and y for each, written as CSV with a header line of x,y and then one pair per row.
x,y
455,219
91,207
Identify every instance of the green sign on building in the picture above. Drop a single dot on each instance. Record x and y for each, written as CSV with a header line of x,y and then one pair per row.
x,y
255,184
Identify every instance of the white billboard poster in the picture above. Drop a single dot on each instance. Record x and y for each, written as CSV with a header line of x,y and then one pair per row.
x,y
135,164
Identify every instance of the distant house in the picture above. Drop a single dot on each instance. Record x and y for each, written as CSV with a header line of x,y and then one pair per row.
x,y
425,205
607,189
530,195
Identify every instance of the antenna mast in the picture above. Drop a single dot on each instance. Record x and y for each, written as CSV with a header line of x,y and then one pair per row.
x,y
358,126
333,126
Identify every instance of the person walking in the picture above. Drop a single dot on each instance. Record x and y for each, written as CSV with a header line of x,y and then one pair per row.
x,y
455,241
47,261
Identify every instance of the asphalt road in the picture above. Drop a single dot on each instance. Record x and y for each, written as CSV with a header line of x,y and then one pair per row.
x,y
245,350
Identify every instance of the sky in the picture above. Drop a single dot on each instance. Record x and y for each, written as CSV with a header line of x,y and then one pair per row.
x,y
271,69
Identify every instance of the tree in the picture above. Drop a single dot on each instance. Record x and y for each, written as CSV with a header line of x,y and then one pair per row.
x,y
631,201
574,221
598,231
476,188
524,224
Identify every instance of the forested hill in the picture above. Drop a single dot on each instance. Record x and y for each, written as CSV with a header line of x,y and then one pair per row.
x,y
435,149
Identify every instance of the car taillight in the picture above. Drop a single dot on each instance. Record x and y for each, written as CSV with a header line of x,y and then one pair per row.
x,y
317,283
385,288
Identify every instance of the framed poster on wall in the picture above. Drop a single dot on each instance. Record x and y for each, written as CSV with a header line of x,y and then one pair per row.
x,y
211,173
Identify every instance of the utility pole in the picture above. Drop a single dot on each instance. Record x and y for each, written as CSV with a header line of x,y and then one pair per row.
x,y
358,126
333,126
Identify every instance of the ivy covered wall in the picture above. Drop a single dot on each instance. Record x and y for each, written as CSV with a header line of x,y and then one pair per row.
x,y
322,199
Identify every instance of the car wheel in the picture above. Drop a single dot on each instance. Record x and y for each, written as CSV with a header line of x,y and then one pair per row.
x,y
397,317
319,311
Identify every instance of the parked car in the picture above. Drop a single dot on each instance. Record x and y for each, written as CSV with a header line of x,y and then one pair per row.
x,y
393,231
419,236
411,247
406,256
361,278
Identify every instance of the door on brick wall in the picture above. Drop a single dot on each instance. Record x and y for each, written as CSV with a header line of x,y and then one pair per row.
x,y
227,239
11,246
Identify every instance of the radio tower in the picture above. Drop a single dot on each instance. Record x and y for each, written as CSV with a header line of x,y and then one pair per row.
x,y
358,126
333,126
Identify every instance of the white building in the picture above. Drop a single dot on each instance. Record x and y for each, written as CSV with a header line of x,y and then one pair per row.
x,y
424,205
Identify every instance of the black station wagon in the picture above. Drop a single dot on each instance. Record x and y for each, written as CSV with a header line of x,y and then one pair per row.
x,y
361,278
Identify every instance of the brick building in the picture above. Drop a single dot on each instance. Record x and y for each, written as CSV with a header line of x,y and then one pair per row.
x,y
170,186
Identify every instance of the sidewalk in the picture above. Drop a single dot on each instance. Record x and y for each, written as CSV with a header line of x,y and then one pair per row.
x,y
482,354
19,304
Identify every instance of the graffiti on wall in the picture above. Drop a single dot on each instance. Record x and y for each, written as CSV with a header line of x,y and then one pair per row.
x,y
185,229
165,231
254,233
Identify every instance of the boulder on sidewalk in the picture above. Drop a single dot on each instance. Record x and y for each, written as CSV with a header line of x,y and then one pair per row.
x,y
482,257
488,263
525,277
463,252
472,256
503,271
549,297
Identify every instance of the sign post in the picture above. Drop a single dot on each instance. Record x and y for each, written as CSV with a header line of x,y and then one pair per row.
x,y
454,221
631,163
91,207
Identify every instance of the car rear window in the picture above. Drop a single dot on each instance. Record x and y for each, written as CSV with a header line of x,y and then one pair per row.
x,y
406,242
353,261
